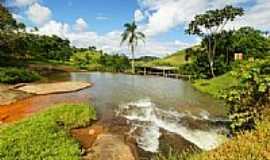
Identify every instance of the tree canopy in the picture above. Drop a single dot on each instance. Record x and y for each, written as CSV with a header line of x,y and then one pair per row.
x,y
209,25
132,36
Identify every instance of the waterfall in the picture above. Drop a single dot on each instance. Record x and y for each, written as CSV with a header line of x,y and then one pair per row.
x,y
147,120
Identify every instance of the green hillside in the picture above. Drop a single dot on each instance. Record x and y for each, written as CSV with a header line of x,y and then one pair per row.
x,y
175,59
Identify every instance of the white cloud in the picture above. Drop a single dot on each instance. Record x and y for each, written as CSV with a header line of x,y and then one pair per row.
x,y
257,16
21,3
80,25
39,14
138,15
165,15
109,42
102,18
18,17
55,28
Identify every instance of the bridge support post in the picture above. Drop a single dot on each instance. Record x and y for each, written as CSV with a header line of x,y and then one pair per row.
x,y
144,71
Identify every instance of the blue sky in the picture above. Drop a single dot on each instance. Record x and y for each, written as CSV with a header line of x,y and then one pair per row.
x,y
100,22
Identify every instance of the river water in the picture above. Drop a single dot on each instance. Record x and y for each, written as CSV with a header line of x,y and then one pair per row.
x,y
158,112
154,105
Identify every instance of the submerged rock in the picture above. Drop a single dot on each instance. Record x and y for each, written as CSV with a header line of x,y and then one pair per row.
x,y
52,88
109,147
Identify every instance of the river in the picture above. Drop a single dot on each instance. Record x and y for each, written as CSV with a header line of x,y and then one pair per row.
x,y
152,104
159,111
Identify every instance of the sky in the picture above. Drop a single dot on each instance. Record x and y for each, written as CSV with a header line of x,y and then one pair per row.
x,y
100,22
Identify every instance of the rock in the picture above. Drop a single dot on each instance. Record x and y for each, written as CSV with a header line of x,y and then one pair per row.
x,y
109,147
91,132
53,88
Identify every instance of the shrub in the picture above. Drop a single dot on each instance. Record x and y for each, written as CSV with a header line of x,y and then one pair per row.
x,y
46,135
17,75
249,98
98,61
200,67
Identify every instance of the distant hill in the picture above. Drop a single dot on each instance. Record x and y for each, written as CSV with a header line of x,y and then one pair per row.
x,y
147,58
175,59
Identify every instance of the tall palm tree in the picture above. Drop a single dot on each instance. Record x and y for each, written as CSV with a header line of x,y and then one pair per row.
x,y
132,36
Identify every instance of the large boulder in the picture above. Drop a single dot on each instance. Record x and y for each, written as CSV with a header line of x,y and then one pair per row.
x,y
109,147
53,88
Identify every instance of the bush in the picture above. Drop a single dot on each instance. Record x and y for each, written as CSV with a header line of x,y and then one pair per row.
x,y
250,97
46,135
200,69
97,61
17,75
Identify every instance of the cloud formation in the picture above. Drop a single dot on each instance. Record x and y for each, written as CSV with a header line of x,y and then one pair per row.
x,y
109,42
164,15
38,14
80,25
138,15
154,18
21,3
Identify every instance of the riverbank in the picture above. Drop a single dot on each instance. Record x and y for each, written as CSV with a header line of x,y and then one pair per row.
x,y
214,86
251,80
12,93
47,133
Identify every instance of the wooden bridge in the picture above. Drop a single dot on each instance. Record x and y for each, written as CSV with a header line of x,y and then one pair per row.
x,y
170,72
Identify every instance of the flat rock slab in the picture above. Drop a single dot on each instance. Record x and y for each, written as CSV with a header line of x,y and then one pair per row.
x,y
8,96
53,88
109,147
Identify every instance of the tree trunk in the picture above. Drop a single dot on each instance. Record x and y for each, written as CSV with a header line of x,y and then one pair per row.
x,y
212,68
211,56
133,61
227,56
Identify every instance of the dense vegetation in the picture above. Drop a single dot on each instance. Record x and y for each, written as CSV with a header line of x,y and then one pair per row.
x,y
252,43
251,96
19,47
45,135
94,60
14,75
244,84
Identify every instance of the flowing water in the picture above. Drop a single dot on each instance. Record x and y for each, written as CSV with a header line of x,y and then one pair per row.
x,y
156,104
157,111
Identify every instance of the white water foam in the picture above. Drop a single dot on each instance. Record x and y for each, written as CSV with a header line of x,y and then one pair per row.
x,y
150,119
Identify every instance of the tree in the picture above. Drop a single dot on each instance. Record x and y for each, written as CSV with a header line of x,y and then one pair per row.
x,y
250,41
132,37
209,24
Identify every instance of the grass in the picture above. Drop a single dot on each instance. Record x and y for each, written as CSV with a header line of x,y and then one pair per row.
x,y
46,135
11,75
174,60
215,85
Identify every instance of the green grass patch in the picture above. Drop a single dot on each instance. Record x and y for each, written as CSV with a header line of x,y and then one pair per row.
x,y
46,135
174,60
11,75
215,85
